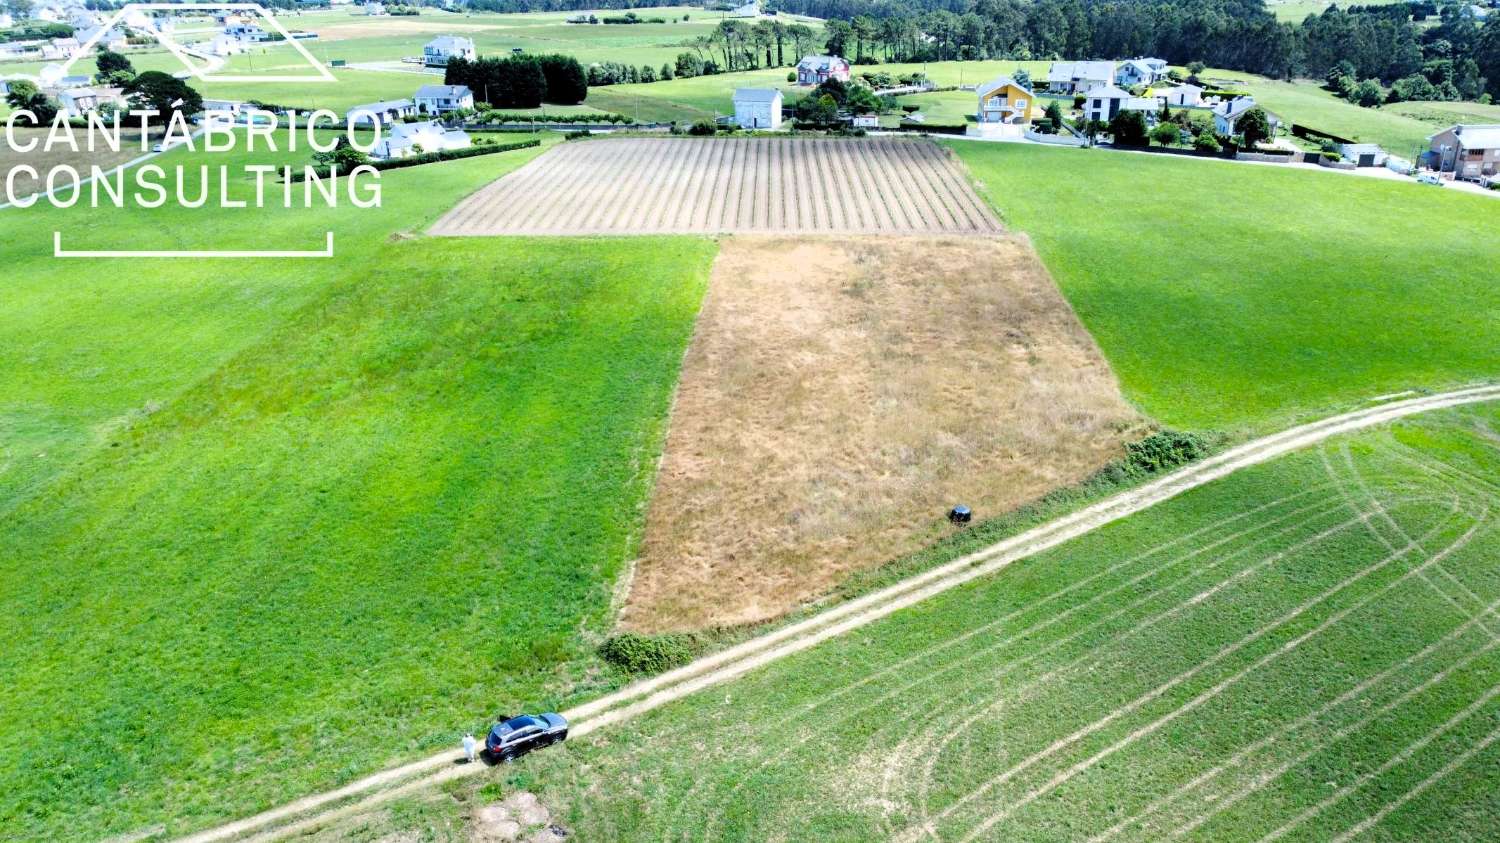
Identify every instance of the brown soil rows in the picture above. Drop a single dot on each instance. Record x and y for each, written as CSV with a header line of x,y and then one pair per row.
x,y
865,173
983,216
916,206
829,194
911,164
845,194
590,183
638,193
962,195
885,193
676,187
691,185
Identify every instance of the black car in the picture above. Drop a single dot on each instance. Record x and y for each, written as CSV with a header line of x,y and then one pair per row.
x,y
512,738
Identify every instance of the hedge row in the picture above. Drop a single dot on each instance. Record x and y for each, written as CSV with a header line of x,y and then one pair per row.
x,y
440,155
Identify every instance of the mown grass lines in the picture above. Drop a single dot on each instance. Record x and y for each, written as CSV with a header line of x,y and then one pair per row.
x,y
1213,671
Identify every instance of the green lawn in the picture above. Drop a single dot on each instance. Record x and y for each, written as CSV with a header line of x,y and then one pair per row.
x,y
268,525
1237,296
1441,115
1252,657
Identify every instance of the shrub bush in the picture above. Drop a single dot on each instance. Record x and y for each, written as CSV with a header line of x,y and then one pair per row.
x,y
1165,450
645,654
702,127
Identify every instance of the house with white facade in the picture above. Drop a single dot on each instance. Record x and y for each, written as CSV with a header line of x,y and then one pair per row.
x,y
1104,102
382,113
1184,95
59,48
815,70
1227,115
110,39
441,99
1076,77
749,10
439,50
246,32
373,10
757,108
404,139
1132,72
78,102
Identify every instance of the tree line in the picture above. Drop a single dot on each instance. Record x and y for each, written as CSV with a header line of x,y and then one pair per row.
x,y
520,81
1386,43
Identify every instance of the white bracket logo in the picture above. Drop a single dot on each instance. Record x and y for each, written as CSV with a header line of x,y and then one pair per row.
x,y
185,54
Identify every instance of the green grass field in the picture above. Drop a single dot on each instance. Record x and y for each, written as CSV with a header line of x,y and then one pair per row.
x,y
1235,296
271,524
1298,650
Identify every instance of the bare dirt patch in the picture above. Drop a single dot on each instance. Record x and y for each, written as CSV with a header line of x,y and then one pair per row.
x,y
729,185
840,395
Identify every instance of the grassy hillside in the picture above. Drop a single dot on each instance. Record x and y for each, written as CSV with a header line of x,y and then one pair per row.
x,y
1232,295
271,524
1305,102
1252,658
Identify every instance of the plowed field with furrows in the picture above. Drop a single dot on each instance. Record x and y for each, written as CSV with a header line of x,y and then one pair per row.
x,y
722,185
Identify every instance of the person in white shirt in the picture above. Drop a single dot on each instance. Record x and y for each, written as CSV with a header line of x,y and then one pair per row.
x,y
471,746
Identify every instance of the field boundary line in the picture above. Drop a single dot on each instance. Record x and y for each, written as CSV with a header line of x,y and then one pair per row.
x,y
726,664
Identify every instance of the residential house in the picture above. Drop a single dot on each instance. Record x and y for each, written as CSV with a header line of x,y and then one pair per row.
x,y
109,39
815,70
1104,102
749,10
381,113
373,10
80,101
1186,96
50,14
19,49
1468,151
1227,115
757,108
868,120
1004,100
246,32
444,47
441,99
1132,72
1076,77
59,48
405,139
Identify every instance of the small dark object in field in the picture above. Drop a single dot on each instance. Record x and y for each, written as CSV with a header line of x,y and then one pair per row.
x,y
960,514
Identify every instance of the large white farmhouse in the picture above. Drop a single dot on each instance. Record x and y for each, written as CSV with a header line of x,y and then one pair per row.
x,y
444,47
441,99
757,108
403,139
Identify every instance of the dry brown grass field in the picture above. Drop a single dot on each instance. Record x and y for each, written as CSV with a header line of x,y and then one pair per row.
x,y
43,160
729,185
840,394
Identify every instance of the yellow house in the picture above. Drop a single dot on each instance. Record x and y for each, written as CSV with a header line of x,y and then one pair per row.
x,y
1004,100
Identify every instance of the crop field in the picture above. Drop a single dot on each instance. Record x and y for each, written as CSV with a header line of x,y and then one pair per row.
x,y
1234,296
254,513
839,394
1307,650
711,185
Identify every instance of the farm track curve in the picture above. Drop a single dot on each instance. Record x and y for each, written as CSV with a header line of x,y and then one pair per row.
x,y
316,810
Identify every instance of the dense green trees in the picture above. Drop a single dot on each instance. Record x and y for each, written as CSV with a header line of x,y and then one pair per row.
x,y
24,95
520,81
163,93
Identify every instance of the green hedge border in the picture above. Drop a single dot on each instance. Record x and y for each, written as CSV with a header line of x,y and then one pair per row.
x,y
434,157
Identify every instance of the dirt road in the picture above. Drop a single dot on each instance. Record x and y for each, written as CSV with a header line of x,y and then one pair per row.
x,y
313,811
